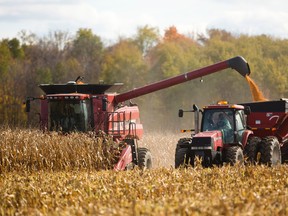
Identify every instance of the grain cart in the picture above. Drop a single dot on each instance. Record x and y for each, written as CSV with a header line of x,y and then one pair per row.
x,y
269,122
263,138
97,107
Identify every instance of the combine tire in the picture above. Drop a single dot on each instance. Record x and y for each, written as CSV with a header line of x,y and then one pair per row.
x,y
251,149
181,157
234,155
144,158
270,151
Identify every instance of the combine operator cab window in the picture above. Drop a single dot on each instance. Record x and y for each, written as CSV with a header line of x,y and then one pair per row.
x,y
220,119
69,115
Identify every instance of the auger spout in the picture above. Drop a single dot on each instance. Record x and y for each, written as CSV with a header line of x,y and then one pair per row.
x,y
237,63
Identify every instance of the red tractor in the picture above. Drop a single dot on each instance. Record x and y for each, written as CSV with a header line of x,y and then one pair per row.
x,y
226,137
97,107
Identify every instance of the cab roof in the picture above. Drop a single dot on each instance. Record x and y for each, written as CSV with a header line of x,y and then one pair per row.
x,y
224,106
80,88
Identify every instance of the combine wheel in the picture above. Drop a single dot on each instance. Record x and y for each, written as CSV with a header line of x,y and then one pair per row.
x,y
270,151
182,157
251,149
144,158
234,155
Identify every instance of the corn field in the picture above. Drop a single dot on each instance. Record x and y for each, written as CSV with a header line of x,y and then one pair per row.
x,y
52,174
32,150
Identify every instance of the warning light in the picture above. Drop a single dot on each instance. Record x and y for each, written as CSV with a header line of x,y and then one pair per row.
x,y
223,102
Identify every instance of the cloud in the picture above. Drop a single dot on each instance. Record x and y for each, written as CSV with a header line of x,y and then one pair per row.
x,y
112,18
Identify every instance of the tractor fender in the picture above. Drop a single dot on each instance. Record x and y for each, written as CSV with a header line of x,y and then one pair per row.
x,y
125,158
245,137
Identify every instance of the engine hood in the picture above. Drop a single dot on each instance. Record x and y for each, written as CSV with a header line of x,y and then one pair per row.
x,y
207,140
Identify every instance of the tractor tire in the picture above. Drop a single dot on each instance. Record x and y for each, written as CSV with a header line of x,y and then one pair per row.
x,y
182,158
251,150
284,152
144,158
270,151
234,155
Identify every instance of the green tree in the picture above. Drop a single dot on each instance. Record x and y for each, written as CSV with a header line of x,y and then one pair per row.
x,y
123,62
147,38
10,82
87,48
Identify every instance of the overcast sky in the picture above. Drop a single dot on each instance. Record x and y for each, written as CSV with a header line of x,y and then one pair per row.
x,y
110,19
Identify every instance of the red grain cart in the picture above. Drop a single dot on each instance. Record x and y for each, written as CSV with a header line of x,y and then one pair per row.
x,y
269,122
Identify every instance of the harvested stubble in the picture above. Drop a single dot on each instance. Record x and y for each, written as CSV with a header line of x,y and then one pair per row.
x,y
251,190
32,150
162,146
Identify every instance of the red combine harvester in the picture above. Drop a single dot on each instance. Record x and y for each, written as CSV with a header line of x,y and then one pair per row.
x,y
226,137
97,107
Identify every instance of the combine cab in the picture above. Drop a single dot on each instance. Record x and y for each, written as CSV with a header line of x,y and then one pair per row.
x,y
98,107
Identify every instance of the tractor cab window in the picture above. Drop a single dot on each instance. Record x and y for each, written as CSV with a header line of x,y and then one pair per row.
x,y
240,125
239,121
69,115
219,119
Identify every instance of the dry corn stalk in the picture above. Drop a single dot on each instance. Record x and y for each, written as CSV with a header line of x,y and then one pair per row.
x,y
32,150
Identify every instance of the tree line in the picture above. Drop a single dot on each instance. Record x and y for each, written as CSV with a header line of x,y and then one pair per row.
x,y
28,60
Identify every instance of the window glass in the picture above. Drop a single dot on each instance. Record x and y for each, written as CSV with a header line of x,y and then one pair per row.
x,y
69,115
239,121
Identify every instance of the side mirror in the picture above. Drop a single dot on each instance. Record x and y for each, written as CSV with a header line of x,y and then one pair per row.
x,y
180,113
27,107
195,107
247,110
104,104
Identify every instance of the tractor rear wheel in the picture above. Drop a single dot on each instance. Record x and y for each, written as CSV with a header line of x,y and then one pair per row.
x,y
182,157
234,155
270,151
251,149
144,158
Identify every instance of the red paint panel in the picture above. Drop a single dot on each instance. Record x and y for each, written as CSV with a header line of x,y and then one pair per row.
x,y
215,135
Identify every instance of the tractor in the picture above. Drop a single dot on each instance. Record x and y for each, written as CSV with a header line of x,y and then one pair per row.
x,y
231,133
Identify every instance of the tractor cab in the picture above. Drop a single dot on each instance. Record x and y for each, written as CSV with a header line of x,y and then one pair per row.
x,y
229,119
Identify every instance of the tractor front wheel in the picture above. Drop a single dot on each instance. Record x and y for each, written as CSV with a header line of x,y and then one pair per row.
x,y
234,155
182,157
144,158
270,151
